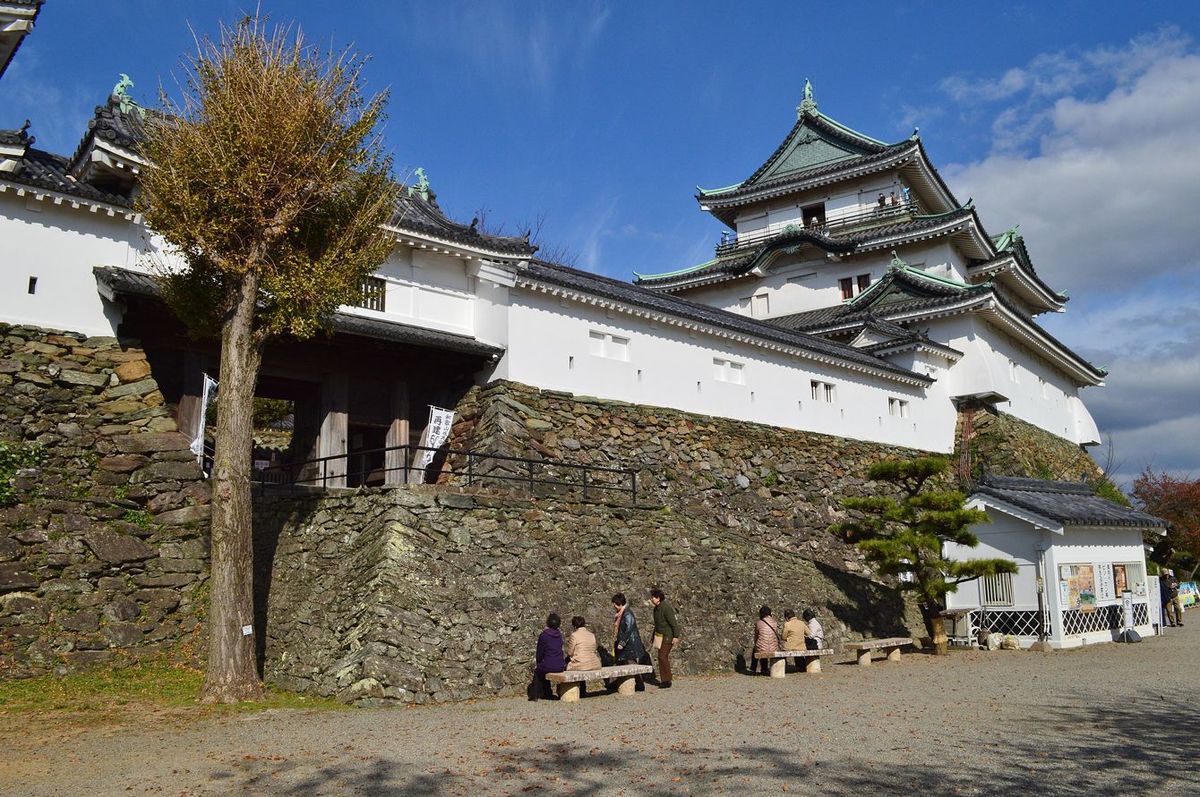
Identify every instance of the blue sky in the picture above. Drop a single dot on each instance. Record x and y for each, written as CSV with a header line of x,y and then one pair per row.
x,y
597,120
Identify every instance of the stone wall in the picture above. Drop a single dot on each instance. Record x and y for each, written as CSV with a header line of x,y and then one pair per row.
x,y
104,550
439,594
1007,446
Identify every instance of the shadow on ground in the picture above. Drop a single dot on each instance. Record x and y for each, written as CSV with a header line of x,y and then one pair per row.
x,y
1145,743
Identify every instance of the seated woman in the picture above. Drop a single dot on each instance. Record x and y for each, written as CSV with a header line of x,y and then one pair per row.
x,y
766,638
814,634
793,631
549,656
581,647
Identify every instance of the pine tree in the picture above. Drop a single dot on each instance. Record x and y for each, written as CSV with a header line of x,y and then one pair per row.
x,y
906,536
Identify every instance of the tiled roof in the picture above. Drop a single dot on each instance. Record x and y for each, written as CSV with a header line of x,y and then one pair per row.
x,y
606,287
41,169
121,280
19,137
926,295
1071,503
740,261
1013,244
425,216
820,170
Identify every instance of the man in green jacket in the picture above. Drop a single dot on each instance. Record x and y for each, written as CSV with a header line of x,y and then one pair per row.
x,y
666,635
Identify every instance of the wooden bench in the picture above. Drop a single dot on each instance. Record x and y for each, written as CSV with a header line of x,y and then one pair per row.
x,y
779,660
568,681
890,646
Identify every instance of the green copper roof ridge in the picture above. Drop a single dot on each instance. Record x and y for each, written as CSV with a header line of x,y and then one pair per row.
x,y
676,273
711,191
968,205
847,129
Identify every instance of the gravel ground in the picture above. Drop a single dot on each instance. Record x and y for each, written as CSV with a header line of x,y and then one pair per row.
x,y
1106,719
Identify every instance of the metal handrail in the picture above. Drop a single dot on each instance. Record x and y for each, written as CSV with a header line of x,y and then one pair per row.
x,y
292,474
868,215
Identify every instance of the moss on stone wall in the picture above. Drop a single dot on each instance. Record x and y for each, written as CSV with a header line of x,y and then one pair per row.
x,y
104,539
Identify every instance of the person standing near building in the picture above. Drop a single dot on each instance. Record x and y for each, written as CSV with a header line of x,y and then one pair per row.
x,y
1169,587
666,635
628,647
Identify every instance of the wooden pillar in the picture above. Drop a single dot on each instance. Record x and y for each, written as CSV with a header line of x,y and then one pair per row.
x,y
397,435
187,414
335,430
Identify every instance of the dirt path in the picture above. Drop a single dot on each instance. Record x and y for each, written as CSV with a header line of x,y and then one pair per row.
x,y
1108,719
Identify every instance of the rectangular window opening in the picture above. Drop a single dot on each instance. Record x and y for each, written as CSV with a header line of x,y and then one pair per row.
x,y
32,285
373,291
847,286
996,590
605,344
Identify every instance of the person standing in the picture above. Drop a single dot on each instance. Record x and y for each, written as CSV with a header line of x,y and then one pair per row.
x,y
814,634
549,657
628,647
666,635
766,638
1169,587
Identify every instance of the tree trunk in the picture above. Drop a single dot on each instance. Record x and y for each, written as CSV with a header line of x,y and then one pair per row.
x,y
232,674
935,625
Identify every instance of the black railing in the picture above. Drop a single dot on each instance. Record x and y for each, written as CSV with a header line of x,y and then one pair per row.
x,y
867,216
374,466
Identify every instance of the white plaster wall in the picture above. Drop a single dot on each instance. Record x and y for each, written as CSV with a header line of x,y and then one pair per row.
x,y
1040,394
1005,537
60,245
841,199
548,347
809,281
426,289
1082,545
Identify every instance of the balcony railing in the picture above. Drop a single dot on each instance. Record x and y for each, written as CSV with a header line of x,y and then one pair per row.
x,y
865,218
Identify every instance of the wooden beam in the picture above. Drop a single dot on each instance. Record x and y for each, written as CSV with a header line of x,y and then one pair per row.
x,y
397,435
335,429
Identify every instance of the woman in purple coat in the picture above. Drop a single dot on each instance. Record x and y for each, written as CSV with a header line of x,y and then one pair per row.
x,y
549,656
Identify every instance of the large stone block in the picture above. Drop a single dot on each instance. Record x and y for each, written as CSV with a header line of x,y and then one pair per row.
x,y
117,548
15,577
132,371
150,442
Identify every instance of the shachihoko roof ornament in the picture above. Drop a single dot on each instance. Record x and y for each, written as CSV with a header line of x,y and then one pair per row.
x,y
421,189
808,104
127,103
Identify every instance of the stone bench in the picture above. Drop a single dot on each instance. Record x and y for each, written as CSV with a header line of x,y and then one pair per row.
x,y
890,646
568,681
779,660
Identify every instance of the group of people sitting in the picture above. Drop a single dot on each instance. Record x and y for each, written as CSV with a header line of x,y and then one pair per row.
x,y
582,651
796,634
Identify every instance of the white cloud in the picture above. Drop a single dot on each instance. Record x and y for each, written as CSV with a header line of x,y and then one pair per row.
x,y
1107,197
530,45
1096,155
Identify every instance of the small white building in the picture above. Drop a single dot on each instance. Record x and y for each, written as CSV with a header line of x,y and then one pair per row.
x,y
1081,550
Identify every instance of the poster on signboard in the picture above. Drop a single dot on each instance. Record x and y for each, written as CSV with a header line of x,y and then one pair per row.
x,y
1081,587
1105,582
1120,579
